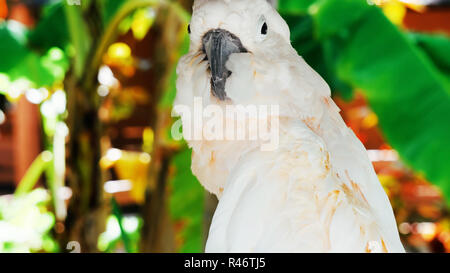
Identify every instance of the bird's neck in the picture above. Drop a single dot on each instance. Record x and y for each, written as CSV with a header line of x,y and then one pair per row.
x,y
212,161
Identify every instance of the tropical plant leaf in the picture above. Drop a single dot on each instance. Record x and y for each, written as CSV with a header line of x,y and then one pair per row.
x,y
12,47
51,30
437,48
79,37
294,7
110,8
187,203
123,234
19,62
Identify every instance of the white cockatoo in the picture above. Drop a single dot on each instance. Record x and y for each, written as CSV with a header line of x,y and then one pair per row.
x,y
316,190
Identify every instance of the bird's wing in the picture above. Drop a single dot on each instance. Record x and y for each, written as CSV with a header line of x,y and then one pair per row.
x,y
317,192
295,200
348,157
351,165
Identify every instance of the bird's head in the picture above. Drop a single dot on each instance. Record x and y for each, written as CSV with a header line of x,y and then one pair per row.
x,y
240,55
220,28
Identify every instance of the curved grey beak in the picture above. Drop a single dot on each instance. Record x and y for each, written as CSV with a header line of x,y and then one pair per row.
x,y
218,45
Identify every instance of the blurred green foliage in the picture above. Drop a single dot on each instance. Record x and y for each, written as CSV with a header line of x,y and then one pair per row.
x,y
112,239
437,48
21,63
25,223
187,203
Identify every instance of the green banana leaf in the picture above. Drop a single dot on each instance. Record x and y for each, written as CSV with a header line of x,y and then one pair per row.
x,y
18,61
51,29
437,48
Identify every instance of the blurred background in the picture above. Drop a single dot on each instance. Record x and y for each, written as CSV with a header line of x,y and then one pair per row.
x,y
86,87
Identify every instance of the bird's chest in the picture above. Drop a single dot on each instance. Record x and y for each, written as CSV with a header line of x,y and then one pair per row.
x,y
262,208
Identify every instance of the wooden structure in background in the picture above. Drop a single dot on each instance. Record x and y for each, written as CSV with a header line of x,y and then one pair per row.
x,y
20,135
6,154
20,143
26,137
432,20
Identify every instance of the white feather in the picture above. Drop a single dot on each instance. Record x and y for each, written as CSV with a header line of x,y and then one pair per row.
x,y
318,191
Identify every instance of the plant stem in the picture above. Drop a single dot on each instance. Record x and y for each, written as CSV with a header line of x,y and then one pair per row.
x,y
33,173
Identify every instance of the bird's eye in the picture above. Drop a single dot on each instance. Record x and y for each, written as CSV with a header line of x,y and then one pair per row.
x,y
189,28
264,29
